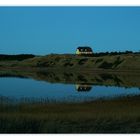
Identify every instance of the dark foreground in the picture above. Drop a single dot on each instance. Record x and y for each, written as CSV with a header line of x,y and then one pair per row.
x,y
112,116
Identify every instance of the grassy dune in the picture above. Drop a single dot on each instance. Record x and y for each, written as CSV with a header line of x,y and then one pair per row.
x,y
117,62
112,116
123,62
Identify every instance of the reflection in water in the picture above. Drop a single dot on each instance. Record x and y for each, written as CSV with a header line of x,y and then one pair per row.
x,y
83,87
77,77
29,90
59,85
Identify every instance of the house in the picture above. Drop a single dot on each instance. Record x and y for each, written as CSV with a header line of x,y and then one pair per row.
x,y
83,87
85,50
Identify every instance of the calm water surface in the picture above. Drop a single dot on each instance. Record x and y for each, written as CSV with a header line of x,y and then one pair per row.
x,y
21,88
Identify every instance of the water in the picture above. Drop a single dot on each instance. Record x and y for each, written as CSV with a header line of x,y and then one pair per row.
x,y
19,89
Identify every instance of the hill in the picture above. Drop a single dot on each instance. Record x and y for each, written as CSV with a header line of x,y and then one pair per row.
x,y
118,62
122,62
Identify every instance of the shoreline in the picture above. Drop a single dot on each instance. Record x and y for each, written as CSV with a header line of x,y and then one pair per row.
x,y
84,70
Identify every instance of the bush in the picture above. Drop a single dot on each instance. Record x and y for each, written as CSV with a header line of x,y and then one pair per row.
x,y
19,57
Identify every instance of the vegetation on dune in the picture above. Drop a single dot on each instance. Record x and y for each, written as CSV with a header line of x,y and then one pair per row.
x,y
112,116
114,53
120,61
19,57
13,60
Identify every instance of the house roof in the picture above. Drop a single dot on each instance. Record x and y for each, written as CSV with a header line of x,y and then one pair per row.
x,y
84,48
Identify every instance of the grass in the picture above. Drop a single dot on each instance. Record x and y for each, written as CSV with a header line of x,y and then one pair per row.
x,y
111,116
118,62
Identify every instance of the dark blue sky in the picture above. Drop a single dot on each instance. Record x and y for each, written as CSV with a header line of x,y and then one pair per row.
x,y
44,30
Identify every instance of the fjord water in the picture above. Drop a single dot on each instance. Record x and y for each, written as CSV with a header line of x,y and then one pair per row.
x,y
20,89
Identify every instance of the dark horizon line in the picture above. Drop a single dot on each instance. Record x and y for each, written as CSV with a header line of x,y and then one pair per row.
x,y
105,52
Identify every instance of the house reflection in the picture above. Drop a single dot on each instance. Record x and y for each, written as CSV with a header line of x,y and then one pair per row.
x,y
83,87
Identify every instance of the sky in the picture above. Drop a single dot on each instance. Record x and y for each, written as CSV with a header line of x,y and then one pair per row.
x,y
45,30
